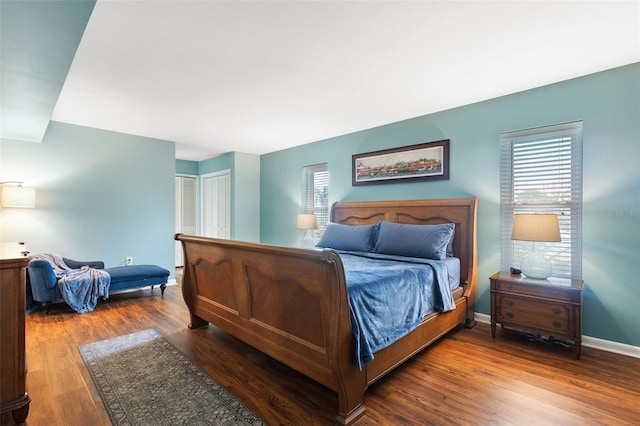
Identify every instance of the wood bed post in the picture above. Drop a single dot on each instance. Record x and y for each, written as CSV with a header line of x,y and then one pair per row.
x,y
352,385
472,280
188,290
350,382
352,413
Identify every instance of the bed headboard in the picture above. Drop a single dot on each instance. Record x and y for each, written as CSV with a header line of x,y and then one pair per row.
x,y
460,211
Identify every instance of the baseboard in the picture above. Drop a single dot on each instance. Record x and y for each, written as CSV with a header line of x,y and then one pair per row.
x,y
609,346
591,342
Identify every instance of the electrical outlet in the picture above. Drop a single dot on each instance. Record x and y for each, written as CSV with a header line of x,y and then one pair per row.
x,y
128,261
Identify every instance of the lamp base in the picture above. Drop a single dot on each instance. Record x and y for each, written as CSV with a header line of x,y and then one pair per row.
x,y
535,265
306,241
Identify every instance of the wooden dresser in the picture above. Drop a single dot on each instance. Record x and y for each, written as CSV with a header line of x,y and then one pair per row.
x,y
14,401
551,307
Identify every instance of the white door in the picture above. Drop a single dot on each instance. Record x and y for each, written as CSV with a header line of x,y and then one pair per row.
x,y
186,210
216,205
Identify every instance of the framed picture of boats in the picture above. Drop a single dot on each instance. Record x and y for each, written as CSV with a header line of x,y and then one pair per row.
x,y
425,161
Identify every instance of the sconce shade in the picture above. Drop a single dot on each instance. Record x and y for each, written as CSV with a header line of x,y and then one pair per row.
x,y
306,221
18,197
536,227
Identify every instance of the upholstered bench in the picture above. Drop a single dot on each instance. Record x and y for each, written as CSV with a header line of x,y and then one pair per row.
x,y
137,276
44,286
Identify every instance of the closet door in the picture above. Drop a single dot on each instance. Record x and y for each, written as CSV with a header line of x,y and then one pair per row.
x,y
186,210
216,205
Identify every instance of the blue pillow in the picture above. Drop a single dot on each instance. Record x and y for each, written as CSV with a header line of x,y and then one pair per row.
x,y
348,237
428,241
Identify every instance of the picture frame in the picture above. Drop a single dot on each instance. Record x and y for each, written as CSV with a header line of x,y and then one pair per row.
x,y
425,161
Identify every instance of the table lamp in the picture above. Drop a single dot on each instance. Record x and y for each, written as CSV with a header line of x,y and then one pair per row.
x,y
304,222
536,228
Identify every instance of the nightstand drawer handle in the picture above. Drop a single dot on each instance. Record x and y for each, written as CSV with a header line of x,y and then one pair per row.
x,y
509,286
509,315
556,324
556,311
510,302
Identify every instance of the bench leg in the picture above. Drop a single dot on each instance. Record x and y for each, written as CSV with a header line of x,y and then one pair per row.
x,y
162,287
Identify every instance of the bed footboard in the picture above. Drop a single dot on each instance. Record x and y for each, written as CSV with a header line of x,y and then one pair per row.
x,y
287,302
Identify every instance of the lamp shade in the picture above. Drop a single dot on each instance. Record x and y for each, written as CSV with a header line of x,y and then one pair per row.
x,y
536,227
306,221
18,196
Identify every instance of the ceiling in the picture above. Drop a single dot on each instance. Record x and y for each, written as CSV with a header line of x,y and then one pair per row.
x,y
261,76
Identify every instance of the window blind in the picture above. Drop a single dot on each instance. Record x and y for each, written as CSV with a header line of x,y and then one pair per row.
x,y
541,172
315,196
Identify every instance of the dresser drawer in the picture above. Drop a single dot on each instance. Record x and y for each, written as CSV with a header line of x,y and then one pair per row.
x,y
535,290
558,327
558,310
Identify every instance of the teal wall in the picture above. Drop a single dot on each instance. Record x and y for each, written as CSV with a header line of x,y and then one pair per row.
x,y
100,195
609,105
216,164
244,170
38,41
245,184
186,167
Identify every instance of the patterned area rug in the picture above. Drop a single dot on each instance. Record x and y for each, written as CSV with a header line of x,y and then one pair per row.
x,y
144,380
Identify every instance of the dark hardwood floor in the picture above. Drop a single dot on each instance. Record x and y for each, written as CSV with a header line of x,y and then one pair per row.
x,y
467,378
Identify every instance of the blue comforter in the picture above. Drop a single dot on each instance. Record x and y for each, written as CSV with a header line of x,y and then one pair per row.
x,y
390,295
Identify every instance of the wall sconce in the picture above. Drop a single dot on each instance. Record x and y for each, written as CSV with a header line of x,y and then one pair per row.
x,y
17,196
306,221
536,228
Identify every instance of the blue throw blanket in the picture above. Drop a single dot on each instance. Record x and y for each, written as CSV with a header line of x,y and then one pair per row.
x,y
80,288
389,296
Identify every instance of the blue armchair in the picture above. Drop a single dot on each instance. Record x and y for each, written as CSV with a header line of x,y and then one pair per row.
x,y
44,285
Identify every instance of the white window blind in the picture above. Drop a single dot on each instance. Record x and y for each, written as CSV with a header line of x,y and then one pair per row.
x,y
541,172
315,196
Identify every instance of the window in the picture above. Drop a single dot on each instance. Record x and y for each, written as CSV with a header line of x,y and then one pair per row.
x,y
315,196
541,172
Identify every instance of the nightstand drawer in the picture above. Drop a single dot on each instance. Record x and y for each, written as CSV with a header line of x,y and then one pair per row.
x,y
507,302
533,290
556,326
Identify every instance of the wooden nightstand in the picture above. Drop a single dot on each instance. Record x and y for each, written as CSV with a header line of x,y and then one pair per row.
x,y
551,307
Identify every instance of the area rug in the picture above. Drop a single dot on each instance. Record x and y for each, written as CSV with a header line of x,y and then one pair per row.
x,y
144,380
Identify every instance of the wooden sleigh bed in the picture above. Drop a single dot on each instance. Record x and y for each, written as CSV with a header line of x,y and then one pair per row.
x,y
292,303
